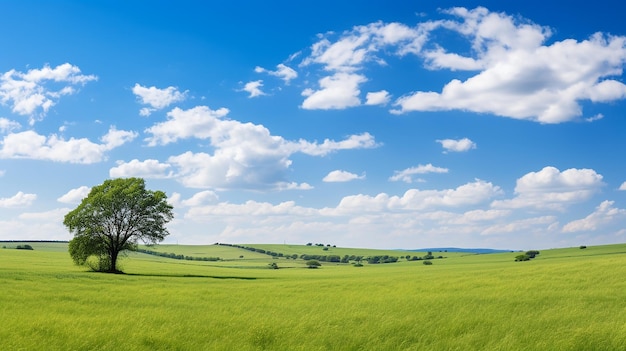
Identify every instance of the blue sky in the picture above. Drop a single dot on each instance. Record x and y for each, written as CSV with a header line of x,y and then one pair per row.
x,y
393,125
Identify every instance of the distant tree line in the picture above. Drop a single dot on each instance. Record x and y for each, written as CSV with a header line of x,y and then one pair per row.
x,y
261,251
19,247
334,258
429,256
176,256
321,245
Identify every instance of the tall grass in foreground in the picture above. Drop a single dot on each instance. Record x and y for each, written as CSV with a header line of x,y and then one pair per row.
x,y
562,300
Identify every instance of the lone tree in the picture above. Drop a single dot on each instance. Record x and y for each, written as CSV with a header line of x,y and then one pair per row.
x,y
114,217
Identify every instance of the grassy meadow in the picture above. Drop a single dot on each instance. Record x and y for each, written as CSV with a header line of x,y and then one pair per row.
x,y
564,299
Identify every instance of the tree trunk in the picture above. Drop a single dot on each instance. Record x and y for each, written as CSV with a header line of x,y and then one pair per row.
x,y
113,268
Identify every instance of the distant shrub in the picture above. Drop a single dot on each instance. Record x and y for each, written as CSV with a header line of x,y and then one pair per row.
x,y
583,247
325,249
520,258
427,262
272,265
24,247
532,253
313,264
358,264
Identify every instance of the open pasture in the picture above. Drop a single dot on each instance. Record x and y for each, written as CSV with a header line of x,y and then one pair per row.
x,y
565,299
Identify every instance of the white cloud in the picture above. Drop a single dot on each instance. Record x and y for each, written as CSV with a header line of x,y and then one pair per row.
x,y
282,71
460,145
543,223
144,169
414,199
30,92
603,215
245,155
200,198
597,117
115,138
75,196
55,215
377,98
254,88
157,98
20,199
406,175
476,216
338,91
360,141
199,122
360,45
249,208
519,76
7,125
347,55
553,189
623,186
341,176
31,145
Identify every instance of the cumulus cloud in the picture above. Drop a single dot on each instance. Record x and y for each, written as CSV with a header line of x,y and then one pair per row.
x,y
552,189
461,145
514,71
473,193
361,44
520,76
377,98
156,98
359,141
199,122
143,169
338,176
282,71
33,93
30,145
544,223
6,125
406,175
254,88
623,186
245,155
338,91
20,199
603,215
75,196
345,56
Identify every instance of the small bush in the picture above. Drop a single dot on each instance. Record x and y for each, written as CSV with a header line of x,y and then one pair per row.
x,y
520,258
583,247
272,265
312,264
427,262
24,247
532,253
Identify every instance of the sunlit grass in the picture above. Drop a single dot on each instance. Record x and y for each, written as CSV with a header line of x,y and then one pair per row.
x,y
568,299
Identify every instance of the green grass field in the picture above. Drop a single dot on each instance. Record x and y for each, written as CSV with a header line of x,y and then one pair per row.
x,y
564,299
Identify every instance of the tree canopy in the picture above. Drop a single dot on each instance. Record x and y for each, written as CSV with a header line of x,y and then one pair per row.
x,y
114,217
